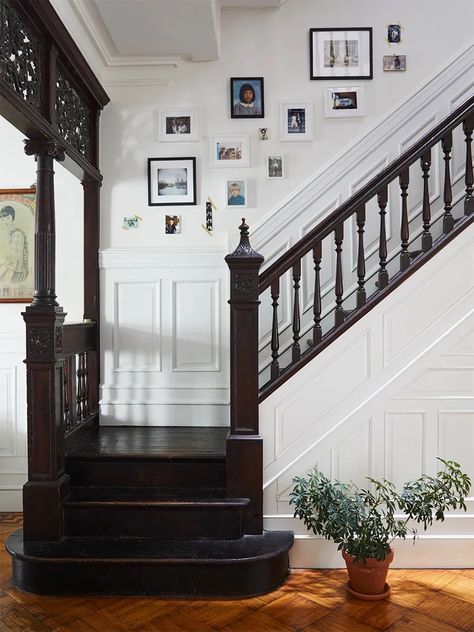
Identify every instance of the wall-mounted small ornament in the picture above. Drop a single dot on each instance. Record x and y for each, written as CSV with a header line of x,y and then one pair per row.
x,y
263,133
131,222
172,224
394,33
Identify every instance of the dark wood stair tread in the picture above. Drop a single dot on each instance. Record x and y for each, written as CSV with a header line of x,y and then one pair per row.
x,y
138,442
143,493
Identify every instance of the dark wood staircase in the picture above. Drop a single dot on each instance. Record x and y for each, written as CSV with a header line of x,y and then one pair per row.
x,y
147,513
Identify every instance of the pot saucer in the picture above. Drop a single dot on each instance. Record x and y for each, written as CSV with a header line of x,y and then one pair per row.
x,y
365,597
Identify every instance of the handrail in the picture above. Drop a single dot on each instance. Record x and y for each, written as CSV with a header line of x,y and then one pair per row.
x,y
79,337
367,192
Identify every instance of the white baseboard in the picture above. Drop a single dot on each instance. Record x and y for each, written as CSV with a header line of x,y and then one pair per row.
x,y
11,499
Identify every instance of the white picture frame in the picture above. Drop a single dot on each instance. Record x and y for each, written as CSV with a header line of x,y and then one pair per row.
x,y
178,126
229,151
344,101
236,193
296,121
275,166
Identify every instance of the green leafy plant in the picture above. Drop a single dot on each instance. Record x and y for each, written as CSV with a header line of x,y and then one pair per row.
x,y
364,522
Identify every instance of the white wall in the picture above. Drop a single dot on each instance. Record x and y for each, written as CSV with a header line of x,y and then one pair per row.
x,y
19,171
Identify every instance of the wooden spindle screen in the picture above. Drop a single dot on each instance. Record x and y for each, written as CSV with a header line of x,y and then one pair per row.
x,y
363,273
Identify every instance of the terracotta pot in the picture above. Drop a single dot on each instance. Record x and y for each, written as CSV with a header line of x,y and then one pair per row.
x,y
368,577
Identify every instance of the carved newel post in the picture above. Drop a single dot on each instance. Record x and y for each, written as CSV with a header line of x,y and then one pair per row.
x,y
44,318
244,444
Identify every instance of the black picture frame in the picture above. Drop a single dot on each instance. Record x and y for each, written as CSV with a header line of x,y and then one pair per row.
x,y
341,58
238,110
172,181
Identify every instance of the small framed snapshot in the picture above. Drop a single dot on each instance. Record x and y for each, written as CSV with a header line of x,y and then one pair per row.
x,y
394,33
229,151
275,167
236,193
246,97
394,63
341,53
172,224
171,181
178,125
17,245
344,101
296,121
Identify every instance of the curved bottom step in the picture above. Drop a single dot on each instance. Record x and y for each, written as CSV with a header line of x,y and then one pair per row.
x,y
252,565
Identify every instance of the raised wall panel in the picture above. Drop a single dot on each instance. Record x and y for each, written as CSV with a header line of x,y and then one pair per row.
x,y
437,383
351,456
456,438
405,446
8,411
195,326
137,326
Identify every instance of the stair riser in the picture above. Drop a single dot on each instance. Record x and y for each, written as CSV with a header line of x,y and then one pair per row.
x,y
146,473
199,580
157,522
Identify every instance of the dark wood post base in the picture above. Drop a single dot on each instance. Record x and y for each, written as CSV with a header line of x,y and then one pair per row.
x,y
42,502
244,477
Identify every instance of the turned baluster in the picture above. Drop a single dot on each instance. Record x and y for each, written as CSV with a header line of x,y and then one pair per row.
x,y
382,200
275,344
338,238
448,219
317,307
468,126
85,402
426,238
80,387
361,293
296,349
405,229
66,394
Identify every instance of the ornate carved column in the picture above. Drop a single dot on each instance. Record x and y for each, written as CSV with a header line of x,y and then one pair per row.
x,y
244,444
47,484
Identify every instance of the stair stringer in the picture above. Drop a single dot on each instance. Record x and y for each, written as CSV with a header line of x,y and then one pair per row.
x,y
387,397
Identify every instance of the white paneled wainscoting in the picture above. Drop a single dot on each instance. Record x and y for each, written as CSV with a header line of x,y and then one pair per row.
x,y
165,349
389,396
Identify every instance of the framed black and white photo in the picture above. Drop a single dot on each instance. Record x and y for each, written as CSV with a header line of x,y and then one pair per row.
x,y
296,121
275,167
178,125
246,97
229,151
341,53
236,193
394,33
394,63
344,101
171,181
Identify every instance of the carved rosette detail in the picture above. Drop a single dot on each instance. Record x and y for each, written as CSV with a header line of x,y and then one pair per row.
x,y
20,56
244,284
59,339
46,147
39,343
72,114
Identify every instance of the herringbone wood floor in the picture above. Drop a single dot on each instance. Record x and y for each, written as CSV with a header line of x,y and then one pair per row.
x,y
311,600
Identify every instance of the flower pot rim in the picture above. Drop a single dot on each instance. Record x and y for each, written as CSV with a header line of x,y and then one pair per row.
x,y
369,561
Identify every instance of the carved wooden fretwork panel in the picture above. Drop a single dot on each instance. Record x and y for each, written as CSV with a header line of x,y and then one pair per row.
x,y
20,56
72,114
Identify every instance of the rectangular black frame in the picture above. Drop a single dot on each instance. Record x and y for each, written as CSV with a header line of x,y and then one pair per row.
x,y
234,102
191,196
338,77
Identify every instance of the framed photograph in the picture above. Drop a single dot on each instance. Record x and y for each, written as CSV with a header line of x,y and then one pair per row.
x,y
229,151
394,33
275,167
178,125
172,224
344,101
246,97
171,181
236,193
296,121
17,245
340,53
394,63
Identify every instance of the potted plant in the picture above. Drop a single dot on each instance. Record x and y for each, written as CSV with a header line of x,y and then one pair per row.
x,y
364,523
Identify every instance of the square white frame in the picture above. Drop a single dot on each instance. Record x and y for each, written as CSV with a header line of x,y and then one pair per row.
x,y
296,136
229,163
163,134
226,193
330,112
267,166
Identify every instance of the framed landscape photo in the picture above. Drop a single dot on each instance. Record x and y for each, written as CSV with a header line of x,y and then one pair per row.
x,y
275,167
246,97
229,151
296,121
394,63
17,245
344,101
236,193
171,181
341,53
178,125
